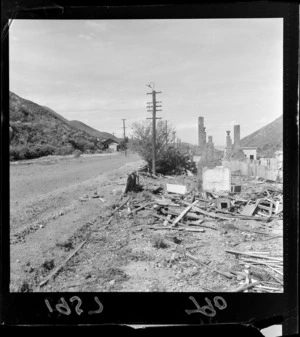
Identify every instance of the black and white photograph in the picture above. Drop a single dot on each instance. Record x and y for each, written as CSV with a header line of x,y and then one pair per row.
x,y
146,155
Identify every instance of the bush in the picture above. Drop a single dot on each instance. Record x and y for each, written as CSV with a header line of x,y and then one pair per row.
x,y
77,153
169,160
22,152
175,161
65,150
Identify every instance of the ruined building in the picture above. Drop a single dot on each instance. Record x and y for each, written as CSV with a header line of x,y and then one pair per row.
x,y
237,137
206,151
234,151
228,142
201,135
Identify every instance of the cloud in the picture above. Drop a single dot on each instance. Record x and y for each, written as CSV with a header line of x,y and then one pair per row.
x,y
88,37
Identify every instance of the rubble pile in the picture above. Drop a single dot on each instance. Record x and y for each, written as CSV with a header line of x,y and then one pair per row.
x,y
253,209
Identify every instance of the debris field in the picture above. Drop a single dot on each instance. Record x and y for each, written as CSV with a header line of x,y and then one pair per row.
x,y
159,233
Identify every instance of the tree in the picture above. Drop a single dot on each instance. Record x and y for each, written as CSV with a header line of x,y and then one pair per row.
x,y
169,160
142,139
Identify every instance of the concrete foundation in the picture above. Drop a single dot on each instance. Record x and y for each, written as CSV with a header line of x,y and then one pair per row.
x,y
216,179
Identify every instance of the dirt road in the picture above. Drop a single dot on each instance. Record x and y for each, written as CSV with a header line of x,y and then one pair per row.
x,y
52,198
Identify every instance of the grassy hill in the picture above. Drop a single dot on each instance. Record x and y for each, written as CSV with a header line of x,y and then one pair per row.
x,y
37,131
91,131
267,139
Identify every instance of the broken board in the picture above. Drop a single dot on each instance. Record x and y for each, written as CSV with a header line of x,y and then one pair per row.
x,y
179,189
249,210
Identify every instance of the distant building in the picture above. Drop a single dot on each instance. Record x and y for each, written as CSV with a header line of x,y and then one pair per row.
x,y
111,144
250,152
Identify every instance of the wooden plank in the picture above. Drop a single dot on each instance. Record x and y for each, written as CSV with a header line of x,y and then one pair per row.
x,y
162,218
166,202
188,215
57,269
267,263
245,229
115,210
279,209
186,229
253,255
249,210
206,226
246,217
182,214
179,189
276,271
197,222
248,286
213,215
223,273
168,219
139,208
194,259
230,215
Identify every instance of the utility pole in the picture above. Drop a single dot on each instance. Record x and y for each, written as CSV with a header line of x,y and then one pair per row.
x,y
124,135
152,107
166,132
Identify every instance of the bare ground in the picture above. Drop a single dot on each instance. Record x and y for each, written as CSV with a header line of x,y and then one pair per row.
x,y
56,204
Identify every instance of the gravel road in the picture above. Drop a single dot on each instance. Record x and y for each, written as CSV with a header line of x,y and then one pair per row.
x,y
47,203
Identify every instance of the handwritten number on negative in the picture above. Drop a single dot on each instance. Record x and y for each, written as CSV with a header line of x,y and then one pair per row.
x,y
77,308
100,307
64,308
208,310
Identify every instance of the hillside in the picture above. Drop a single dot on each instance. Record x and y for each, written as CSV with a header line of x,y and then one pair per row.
x,y
37,131
267,139
56,114
91,131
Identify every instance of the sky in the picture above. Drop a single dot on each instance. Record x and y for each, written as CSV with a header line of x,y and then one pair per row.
x,y
229,71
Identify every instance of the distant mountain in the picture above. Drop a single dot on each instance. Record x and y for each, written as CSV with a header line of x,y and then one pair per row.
x,y
37,131
91,131
267,139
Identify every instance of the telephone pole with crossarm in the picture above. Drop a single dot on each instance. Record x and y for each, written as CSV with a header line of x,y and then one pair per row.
x,y
152,107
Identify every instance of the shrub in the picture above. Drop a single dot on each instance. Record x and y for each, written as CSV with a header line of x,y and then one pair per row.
x,y
77,153
174,161
65,150
22,152
169,160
